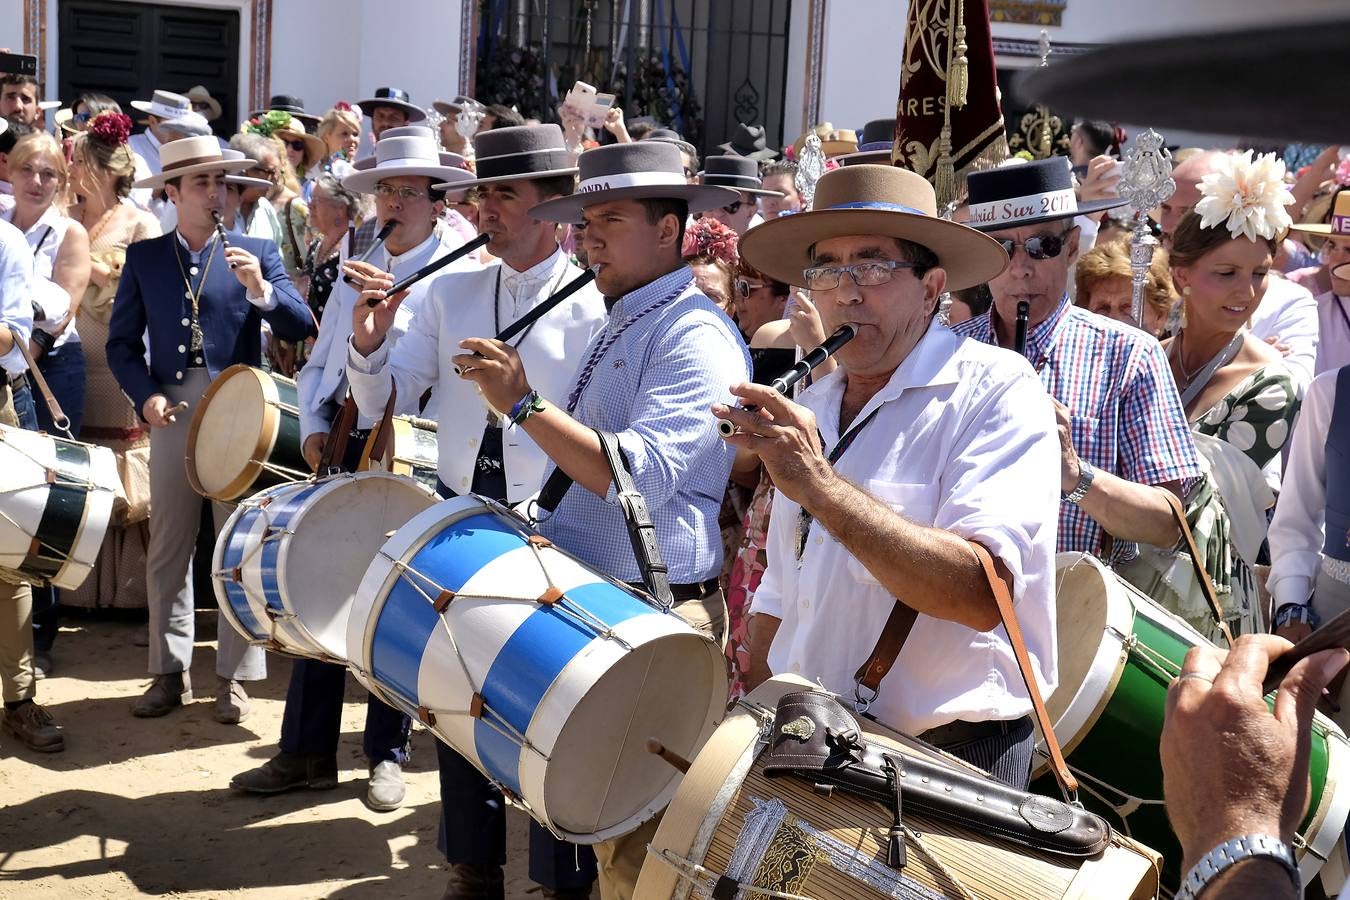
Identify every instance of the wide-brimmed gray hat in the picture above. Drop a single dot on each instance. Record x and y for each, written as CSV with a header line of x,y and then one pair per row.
x,y
740,173
509,154
874,145
749,141
670,136
645,170
243,181
459,104
408,150
190,124
396,97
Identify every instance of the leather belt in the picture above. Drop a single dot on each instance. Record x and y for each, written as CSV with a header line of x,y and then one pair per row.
x,y
962,732
682,592
14,380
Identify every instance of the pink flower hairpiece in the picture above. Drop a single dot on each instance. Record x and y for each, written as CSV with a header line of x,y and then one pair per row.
x,y
111,128
709,237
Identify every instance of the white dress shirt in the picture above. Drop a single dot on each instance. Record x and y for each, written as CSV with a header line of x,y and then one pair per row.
x,y
459,306
1288,311
16,287
964,440
145,154
1333,346
44,242
322,383
1298,529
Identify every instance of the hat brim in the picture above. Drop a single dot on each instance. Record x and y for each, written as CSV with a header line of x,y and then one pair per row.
x,y
227,166
314,145
759,155
415,113
363,181
700,197
762,192
497,179
1323,230
444,108
865,157
1092,206
213,107
781,247
1217,83
243,181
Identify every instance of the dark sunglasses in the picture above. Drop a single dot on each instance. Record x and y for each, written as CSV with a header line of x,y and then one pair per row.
x,y
1038,246
744,286
733,208
297,145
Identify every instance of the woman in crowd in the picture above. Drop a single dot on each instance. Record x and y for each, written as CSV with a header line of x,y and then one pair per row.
x,y
1236,389
340,130
305,154
76,117
332,215
101,174
60,245
1105,286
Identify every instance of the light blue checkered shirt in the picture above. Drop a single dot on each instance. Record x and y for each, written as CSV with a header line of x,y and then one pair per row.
x,y
653,388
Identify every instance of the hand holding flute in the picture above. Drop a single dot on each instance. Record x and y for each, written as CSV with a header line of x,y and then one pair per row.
x,y
380,238
221,235
534,315
803,367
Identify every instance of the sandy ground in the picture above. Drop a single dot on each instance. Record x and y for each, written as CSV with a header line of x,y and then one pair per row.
x,y
143,806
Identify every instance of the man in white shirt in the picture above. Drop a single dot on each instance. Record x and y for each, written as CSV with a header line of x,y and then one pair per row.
x,y
1287,315
405,167
940,445
479,451
1333,307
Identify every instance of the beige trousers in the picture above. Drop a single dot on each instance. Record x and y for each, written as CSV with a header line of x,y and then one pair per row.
x,y
16,606
620,861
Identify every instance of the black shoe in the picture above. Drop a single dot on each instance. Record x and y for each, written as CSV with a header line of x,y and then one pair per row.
x,y
474,883
286,771
42,664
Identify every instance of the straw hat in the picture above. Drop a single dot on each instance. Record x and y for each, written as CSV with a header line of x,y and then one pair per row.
x,y
164,104
189,156
833,141
872,200
199,94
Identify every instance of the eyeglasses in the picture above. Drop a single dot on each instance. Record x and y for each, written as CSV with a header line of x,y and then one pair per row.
x,y
404,194
200,105
1038,246
868,274
744,286
81,117
297,145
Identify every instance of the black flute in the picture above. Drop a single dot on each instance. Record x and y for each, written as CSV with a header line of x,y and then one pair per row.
x,y
1020,333
220,232
542,309
433,267
370,251
800,369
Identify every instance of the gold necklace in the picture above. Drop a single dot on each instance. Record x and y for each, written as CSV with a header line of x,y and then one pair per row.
x,y
198,340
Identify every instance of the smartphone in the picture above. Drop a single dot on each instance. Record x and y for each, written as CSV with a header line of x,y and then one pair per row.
x,y
599,110
18,64
580,97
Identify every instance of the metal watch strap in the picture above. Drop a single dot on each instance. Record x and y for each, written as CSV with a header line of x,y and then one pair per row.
x,y
1085,476
1233,851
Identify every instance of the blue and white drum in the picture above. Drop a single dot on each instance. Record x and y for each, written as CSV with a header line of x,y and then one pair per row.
x,y
290,557
56,499
546,675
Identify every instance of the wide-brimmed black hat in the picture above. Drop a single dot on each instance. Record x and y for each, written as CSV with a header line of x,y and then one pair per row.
x,y
293,105
1039,191
670,136
510,154
1223,82
874,144
450,107
740,173
396,97
639,171
749,141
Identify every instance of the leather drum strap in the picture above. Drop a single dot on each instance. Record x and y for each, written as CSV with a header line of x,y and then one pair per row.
x,y
58,416
1202,576
893,636
377,447
335,448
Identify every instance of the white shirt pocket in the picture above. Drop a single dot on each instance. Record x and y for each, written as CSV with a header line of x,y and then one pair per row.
x,y
916,502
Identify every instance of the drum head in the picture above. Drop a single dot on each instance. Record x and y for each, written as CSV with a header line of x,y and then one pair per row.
x,y
233,431
337,532
1091,618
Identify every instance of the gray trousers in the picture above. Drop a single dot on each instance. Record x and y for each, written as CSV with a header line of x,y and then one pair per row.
x,y
174,522
1330,598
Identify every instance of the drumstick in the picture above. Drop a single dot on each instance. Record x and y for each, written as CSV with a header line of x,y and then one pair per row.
x,y
670,756
220,231
370,251
180,406
1020,334
432,268
803,367
542,309
1333,634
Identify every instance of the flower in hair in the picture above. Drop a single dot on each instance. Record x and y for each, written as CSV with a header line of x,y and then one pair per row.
x,y
111,128
1247,195
709,237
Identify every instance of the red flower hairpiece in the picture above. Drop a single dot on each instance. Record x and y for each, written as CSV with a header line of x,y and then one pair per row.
x,y
709,237
111,128
343,105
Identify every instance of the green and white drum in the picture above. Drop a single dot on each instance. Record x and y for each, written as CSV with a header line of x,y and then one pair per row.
x,y
245,435
1118,652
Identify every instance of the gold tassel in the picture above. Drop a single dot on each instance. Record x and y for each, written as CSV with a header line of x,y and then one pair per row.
x,y
944,177
958,74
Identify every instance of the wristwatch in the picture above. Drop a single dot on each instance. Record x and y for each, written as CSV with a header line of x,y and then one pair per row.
x,y
1234,851
1085,476
1296,612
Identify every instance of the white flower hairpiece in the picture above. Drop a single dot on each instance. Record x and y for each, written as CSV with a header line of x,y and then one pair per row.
x,y
1248,195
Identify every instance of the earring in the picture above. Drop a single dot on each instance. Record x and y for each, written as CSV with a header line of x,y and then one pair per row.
x,y
1185,294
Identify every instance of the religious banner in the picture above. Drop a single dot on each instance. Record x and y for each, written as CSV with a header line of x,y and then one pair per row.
x,y
948,120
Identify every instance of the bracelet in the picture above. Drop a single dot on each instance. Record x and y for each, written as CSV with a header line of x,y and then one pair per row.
x,y
1296,612
526,406
1232,851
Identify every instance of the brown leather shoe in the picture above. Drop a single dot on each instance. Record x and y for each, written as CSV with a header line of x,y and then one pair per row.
x,y
165,693
286,771
33,725
231,702
475,883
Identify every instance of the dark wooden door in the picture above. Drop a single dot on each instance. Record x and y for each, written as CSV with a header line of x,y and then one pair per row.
x,y
127,50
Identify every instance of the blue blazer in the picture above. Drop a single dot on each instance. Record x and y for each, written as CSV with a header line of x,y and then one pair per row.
x,y
151,300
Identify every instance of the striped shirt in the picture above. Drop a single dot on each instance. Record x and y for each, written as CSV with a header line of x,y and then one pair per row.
x,y
1125,412
653,388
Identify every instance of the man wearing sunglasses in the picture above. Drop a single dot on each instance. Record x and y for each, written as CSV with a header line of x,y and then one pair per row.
x,y
741,175
1123,434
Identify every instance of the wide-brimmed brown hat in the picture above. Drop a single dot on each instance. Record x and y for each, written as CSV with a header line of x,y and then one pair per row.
x,y
315,148
189,156
833,141
643,170
872,200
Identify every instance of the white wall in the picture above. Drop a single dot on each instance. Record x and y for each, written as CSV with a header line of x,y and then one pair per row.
x,y
860,78
11,25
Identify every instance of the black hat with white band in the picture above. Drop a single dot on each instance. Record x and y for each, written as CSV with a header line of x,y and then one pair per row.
x,y
645,170
1040,191
509,154
395,97
740,173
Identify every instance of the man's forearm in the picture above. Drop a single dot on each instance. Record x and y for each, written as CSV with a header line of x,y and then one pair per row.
x,y
573,446
1131,512
929,569
1258,877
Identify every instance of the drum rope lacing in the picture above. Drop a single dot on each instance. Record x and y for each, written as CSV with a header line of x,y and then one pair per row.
x,y
54,477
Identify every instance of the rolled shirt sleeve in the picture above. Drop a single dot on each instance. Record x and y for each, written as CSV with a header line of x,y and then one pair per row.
x,y
16,288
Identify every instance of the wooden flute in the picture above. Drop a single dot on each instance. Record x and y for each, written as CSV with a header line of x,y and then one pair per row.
x,y
803,367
